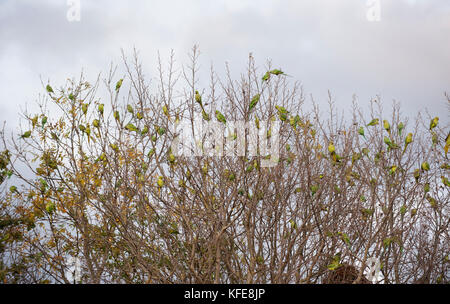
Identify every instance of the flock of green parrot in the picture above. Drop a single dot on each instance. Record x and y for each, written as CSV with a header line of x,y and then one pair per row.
x,y
283,115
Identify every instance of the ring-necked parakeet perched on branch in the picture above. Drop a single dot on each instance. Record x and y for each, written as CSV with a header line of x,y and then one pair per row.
x,y
84,108
130,109
119,84
96,123
400,127
331,148
361,131
49,89
386,126
335,264
408,140
425,166
44,121
198,98
254,101
434,123
373,122
26,134
266,76
205,116
277,72
220,117
101,108
131,127
116,115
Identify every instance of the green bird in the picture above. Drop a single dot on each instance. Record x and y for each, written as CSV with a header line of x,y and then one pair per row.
x,y
386,126
277,72
266,76
50,207
49,89
257,122
445,181
434,123
116,115
144,130
281,109
13,189
101,108
44,121
254,101
151,152
331,148
160,182
71,96
373,122
434,138
26,134
82,128
314,189
96,123
171,158
34,121
220,117
335,264
205,116
198,98
400,127
425,166
426,188
130,109
131,127
119,84
161,130
416,175
139,115
165,110
365,151
392,169
361,131
84,108
408,140
447,144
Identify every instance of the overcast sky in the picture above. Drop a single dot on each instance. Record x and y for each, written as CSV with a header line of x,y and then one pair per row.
x,y
324,44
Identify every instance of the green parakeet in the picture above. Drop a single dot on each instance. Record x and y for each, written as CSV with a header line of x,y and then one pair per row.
x,y
281,110
434,138
44,120
198,97
119,84
408,140
144,130
205,116
96,123
116,115
84,108
165,110
101,108
254,101
13,189
34,121
139,115
361,131
82,128
400,127
71,97
425,166
50,207
417,175
151,152
387,126
257,122
434,123
26,134
392,169
335,264
447,144
131,127
266,76
445,181
426,187
171,158
277,72
220,117
314,189
331,148
130,109
49,89
373,122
